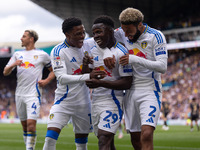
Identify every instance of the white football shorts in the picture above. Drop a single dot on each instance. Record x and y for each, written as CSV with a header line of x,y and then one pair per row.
x,y
141,107
28,107
107,117
80,116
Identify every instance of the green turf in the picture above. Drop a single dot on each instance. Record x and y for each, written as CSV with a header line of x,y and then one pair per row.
x,y
176,138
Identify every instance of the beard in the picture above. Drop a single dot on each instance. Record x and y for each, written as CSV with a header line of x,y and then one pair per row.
x,y
135,37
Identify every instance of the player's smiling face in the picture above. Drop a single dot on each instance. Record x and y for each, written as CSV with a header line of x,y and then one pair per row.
x,y
131,31
76,36
101,34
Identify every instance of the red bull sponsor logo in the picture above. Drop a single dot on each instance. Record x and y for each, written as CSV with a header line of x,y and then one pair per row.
x,y
57,58
103,69
137,52
77,71
27,65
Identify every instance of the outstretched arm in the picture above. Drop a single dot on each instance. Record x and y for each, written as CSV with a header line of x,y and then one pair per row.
x,y
159,65
121,84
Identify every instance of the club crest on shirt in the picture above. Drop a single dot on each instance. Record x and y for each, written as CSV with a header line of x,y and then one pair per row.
x,y
51,116
144,44
35,57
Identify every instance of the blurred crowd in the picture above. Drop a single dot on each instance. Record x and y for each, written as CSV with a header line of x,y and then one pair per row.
x,y
180,22
181,82
180,85
181,30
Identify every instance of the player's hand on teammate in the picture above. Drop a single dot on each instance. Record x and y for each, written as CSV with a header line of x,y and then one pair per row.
x,y
87,60
97,74
110,62
124,60
93,83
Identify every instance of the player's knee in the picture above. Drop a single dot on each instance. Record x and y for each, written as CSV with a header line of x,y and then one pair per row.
x,y
147,135
31,128
104,141
135,140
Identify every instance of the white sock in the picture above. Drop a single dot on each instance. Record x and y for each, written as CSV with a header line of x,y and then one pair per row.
x,y
25,137
81,146
120,129
31,140
50,144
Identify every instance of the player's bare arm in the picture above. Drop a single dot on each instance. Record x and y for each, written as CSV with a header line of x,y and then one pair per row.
x,y
51,76
8,69
97,74
121,84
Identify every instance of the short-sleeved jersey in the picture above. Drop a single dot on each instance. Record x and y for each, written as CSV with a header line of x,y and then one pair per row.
x,y
116,73
68,60
194,108
30,71
150,45
165,107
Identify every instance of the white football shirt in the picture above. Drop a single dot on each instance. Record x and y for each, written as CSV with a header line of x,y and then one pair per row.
x,y
67,66
116,73
30,71
151,45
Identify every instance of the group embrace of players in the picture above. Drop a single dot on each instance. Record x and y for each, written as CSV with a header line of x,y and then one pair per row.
x,y
130,58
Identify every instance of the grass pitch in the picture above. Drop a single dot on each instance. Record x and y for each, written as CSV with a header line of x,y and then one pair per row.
x,y
176,138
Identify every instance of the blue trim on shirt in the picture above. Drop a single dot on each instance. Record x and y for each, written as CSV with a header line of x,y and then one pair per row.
x,y
156,33
38,91
161,52
156,83
56,50
123,49
62,98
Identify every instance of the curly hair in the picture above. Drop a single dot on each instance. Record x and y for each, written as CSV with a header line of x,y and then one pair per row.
x,y
33,34
106,20
69,23
131,16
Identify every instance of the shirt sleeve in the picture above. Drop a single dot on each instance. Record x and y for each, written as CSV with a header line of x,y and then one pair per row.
x,y
126,70
60,71
47,60
160,54
12,59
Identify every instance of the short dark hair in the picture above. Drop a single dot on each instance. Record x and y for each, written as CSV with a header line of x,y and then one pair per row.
x,y
107,20
69,23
